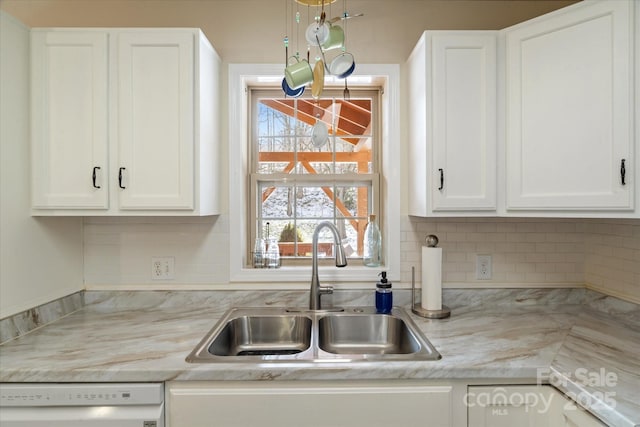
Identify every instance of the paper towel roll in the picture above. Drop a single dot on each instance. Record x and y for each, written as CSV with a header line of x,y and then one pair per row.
x,y
431,278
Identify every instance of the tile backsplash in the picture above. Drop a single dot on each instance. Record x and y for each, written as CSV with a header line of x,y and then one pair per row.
x,y
612,257
531,251
118,251
604,254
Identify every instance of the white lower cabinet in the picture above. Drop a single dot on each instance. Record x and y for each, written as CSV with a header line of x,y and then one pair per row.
x,y
405,403
524,406
507,406
321,403
566,413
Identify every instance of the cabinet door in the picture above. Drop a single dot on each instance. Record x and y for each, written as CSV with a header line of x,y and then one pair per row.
x,y
508,406
155,120
567,413
568,110
452,123
297,404
69,119
463,109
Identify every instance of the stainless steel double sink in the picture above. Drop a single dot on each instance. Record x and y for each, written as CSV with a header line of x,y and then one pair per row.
x,y
272,335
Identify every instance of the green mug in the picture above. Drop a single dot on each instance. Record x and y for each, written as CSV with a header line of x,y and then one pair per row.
x,y
298,74
335,39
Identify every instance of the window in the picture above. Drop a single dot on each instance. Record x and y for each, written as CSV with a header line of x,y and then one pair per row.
x,y
241,275
312,161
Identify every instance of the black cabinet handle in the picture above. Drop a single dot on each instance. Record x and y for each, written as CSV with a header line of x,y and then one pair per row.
x,y
120,178
441,179
93,176
623,172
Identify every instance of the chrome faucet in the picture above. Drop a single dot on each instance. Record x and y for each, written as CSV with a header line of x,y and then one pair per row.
x,y
341,260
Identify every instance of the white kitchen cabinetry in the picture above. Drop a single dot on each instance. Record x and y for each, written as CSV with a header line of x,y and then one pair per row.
x,y
70,120
135,108
452,119
535,406
566,413
569,110
336,404
508,406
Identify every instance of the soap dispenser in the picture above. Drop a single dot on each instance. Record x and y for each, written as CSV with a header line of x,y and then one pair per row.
x,y
384,296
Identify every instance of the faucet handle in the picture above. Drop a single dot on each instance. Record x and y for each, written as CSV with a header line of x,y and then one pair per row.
x,y
325,290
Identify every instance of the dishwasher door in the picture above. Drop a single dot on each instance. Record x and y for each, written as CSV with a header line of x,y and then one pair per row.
x,y
82,405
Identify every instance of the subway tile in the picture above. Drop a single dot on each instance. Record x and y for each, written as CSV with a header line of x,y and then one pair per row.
x,y
526,227
446,227
536,257
605,253
535,238
525,247
506,227
487,228
564,267
533,277
555,278
546,247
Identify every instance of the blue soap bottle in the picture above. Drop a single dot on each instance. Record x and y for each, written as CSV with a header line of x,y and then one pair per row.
x,y
384,296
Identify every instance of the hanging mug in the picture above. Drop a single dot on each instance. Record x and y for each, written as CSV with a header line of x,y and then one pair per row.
x,y
335,39
298,74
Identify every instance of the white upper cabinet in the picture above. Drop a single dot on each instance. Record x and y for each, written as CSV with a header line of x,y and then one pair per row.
x,y
452,119
156,118
136,107
569,110
69,120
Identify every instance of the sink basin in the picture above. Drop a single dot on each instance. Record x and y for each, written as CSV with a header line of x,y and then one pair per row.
x,y
272,334
263,335
366,334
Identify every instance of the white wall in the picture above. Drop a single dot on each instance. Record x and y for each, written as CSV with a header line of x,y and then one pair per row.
x,y
40,259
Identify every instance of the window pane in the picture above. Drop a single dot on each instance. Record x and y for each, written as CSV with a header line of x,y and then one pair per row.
x,y
317,161
275,117
304,180
276,156
352,240
347,148
276,202
353,200
314,202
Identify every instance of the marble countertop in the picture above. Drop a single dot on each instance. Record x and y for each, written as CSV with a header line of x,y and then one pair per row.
x,y
145,336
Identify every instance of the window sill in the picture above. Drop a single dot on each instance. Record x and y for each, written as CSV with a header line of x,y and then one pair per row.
x,y
328,274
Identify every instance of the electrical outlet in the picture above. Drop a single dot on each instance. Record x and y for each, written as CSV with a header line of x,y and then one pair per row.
x,y
162,268
483,267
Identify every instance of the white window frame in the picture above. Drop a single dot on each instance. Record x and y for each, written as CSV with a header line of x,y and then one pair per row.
x,y
371,179
241,76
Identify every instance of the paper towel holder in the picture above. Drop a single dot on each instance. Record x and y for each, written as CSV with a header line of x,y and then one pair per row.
x,y
417,308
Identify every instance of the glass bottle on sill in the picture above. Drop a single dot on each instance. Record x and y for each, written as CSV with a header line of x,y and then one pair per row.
x,y
273,253
259,253
372,256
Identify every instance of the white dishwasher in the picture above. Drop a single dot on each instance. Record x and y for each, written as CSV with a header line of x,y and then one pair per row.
x,y
82,405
